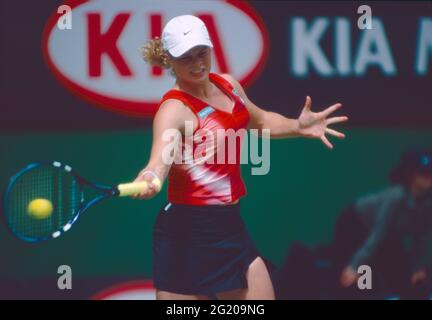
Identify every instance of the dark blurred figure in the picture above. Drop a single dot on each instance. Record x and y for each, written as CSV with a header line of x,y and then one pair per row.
x,y
388,231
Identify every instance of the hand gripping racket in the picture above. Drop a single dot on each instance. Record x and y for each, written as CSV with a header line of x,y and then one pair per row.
x,y
44,200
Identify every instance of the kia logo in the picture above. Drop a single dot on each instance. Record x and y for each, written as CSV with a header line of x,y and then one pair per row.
x,y
97,58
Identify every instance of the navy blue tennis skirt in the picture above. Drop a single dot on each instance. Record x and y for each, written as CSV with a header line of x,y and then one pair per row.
x,y
201,250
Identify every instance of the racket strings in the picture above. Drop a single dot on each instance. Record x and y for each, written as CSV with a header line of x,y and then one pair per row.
x,y
53,184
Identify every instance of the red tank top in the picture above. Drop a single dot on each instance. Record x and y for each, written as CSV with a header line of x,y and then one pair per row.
x,y
211,174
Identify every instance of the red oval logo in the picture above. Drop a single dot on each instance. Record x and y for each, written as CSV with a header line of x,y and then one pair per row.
x,y
98,59
131,290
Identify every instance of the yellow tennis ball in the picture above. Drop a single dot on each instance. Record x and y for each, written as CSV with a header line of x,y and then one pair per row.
x,y
40,208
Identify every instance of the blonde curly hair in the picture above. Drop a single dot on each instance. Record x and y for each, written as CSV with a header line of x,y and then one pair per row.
x,y
154,53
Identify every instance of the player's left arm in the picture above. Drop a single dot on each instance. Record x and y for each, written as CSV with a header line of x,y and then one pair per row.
x,y
309,124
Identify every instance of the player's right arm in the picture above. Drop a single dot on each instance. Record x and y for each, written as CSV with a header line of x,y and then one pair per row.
x,y
168,127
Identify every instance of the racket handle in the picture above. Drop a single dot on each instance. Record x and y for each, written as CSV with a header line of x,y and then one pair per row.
x,y
129,189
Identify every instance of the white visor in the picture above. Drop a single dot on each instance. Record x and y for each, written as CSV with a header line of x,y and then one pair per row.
x,y
183,33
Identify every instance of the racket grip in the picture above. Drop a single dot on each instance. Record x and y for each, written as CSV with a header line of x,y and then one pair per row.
x,y
129,189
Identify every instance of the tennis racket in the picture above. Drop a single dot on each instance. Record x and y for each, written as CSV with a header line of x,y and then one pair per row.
x,y
60,194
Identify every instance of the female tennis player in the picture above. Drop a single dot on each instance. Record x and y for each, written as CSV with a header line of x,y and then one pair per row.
x,y
201,247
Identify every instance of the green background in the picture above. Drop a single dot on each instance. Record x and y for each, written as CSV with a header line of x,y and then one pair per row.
x,y
298,200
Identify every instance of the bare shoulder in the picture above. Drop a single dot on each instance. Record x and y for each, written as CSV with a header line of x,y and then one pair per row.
x,y
236,85
171,105
174,107
173,113
230,79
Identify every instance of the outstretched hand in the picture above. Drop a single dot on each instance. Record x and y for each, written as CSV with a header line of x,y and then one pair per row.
x,y
315,124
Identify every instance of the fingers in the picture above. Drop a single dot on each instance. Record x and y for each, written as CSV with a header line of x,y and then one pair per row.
x,y
331,109
150,192
335,133
156,184
308,103
153,187
326,142
336,120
